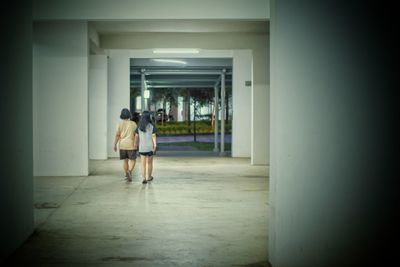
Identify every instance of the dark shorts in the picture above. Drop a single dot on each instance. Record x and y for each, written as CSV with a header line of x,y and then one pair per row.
x,y
147,154
127,154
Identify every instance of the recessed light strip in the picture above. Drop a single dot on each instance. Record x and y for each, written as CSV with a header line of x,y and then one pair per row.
x,y
176,51
171,61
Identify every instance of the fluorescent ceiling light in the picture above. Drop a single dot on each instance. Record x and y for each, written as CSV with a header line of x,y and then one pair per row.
x,y
170,61
176,51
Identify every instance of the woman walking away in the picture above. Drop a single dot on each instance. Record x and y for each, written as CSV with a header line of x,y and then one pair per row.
x,y
125,136
146,136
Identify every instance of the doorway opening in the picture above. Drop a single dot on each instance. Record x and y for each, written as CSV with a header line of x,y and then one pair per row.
x,y
190,100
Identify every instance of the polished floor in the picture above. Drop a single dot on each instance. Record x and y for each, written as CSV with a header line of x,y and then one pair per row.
x,y
198,211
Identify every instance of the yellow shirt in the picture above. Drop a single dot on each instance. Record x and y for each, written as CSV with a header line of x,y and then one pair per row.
x,y
126,131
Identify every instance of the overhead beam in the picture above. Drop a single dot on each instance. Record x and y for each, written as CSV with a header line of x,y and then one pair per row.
x,y
180,72
175,81
180,86
178,80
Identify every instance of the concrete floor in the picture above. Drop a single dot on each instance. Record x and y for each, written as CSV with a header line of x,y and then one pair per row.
x,y
198,211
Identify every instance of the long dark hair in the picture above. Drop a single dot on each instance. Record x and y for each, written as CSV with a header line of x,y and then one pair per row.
x,y
135,117
145,119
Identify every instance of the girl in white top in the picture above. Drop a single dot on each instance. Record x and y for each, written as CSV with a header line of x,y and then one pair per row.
x,y
147,139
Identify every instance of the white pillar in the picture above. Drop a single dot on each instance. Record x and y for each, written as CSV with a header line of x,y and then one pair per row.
x,y
330,170
222,152
143,78
60,106
118,93
98,73
16,183
241,103
216,115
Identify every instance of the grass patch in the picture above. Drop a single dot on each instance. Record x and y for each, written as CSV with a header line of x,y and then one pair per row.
x,y
199,145
202,127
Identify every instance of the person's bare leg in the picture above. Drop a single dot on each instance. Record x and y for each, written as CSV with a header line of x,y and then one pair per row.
x,y
125,166
143,163
126,169
150,167
132,164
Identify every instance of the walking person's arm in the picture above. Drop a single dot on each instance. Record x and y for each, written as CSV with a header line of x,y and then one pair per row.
x,y
154,137
136,142
116,139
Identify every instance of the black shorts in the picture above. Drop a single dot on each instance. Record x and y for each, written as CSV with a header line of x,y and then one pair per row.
x,y
127,154
147,154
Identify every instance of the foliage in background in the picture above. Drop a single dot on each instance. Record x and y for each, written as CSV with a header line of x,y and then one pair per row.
x,y
202,127
164,95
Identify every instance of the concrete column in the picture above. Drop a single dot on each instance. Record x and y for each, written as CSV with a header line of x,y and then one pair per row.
x,y
16,159
241,103
98,73
222,152
216,114
143,103
60,105
331,185
118,93
150,99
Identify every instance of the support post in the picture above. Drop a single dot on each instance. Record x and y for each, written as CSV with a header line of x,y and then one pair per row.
x,y
222,151
216,119
143,77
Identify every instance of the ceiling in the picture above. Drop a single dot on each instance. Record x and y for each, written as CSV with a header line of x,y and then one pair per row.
x,y
200,73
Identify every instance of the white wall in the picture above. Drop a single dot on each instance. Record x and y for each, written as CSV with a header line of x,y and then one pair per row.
x,y
60,93
150,9
241,101
190,9
328,156
118,93
98,73
260,124
16,158
260,112
257,43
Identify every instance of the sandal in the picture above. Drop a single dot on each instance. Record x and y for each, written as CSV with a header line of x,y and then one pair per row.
x,y
144,182
129,176
150,179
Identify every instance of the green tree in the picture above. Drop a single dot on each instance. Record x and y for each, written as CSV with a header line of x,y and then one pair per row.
x,y
134,92
164,95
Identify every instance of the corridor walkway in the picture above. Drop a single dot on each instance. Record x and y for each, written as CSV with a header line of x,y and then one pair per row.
x,y
197,212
